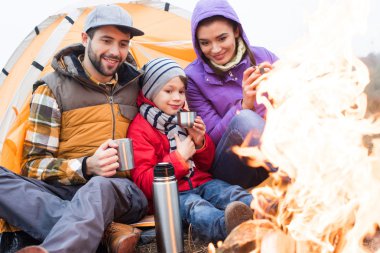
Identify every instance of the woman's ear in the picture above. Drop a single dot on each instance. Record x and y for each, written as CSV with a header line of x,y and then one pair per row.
x,y
237,32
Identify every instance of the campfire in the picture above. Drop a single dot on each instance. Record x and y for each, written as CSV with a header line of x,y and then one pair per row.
x,y
324,197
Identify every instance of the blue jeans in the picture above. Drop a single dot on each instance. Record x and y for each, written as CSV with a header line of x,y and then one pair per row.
x,y
203,208
227,165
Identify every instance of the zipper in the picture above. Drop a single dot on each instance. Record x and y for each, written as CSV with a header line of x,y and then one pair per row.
x,y
110,99
189,182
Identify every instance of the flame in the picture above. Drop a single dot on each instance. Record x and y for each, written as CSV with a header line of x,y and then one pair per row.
x,y
327,187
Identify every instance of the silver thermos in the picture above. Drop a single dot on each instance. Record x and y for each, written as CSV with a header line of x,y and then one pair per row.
x,y
169,236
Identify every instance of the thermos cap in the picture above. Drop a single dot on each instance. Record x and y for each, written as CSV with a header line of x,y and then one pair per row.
x,y
163,170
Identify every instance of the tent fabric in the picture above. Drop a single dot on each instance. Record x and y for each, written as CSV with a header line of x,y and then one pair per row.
x,y
12,88
13,144
167,34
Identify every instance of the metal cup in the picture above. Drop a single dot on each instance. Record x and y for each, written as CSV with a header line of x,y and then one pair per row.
x,y
125,153
186,119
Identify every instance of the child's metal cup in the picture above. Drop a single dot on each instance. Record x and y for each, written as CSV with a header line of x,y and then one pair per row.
x,y
125,153
186,119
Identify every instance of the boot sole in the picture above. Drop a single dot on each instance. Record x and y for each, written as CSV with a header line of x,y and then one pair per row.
x,y
128,244
237,213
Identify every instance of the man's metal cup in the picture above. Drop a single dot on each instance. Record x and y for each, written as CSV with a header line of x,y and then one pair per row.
x,y
186,119
125,153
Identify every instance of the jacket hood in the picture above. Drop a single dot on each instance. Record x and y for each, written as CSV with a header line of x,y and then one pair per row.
x,y
143,100
208,8
66,62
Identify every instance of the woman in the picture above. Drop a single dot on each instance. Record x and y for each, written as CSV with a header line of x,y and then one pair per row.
x,y
221,87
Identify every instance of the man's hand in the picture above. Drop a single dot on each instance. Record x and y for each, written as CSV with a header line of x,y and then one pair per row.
x,y
105,160
197,132
185,148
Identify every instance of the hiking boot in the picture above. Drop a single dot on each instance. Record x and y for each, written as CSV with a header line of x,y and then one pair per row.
x,y
236,213
33,249
120,238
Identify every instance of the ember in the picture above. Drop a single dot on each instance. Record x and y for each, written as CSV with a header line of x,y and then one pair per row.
x,y
325,194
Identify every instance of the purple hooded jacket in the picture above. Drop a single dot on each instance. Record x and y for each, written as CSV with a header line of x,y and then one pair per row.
x,y
218,99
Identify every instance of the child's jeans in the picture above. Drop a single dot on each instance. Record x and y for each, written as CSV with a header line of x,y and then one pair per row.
x,y
203,208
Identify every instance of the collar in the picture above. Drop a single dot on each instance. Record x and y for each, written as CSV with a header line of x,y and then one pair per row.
x,y
235,60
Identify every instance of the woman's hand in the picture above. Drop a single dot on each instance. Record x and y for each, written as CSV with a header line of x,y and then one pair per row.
x,y
197,132
251,81
186,147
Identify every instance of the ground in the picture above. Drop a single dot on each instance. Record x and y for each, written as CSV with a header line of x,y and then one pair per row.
x,y
189,245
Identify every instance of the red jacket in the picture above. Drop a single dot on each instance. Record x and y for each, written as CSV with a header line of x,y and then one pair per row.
x,y
150,147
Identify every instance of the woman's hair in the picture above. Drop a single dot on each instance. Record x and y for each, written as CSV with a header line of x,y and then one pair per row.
x,y
184,80
235,26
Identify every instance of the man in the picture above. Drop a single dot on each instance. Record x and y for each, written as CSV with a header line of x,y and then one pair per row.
x,y
73,190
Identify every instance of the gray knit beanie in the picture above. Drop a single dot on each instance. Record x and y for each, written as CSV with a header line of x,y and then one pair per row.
x,y
157,73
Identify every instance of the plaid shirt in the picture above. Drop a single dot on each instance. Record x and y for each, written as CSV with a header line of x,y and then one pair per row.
x,y
42,142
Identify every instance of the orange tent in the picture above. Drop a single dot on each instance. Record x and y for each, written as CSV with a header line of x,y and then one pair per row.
x,y
167,33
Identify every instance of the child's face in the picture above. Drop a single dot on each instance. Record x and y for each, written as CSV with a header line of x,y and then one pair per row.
x,y
171,97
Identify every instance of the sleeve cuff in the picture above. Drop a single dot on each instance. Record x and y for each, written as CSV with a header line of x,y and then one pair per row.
x,y
203,146
84,169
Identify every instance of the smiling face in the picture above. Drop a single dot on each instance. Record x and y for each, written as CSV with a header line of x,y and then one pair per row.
x,y
171,98
105,52
217,40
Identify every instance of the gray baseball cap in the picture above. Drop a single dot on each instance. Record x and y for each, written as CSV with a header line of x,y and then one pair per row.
x,y
111,15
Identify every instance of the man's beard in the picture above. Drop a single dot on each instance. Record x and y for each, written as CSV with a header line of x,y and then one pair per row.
x,y
96,62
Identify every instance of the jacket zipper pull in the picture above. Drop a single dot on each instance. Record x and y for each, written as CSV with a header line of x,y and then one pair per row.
x,y
113,117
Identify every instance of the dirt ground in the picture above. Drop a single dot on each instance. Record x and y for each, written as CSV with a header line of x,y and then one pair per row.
x,y
189,245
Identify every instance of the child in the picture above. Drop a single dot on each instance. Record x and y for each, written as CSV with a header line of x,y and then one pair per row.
x,y
212,207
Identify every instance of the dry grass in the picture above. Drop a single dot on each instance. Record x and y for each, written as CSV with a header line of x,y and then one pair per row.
x,y
190,246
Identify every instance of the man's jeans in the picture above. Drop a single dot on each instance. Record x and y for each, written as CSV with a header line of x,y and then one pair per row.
x,y
203,208
227,165
68,218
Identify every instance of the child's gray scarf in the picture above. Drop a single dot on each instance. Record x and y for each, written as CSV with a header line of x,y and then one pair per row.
x,y
166,124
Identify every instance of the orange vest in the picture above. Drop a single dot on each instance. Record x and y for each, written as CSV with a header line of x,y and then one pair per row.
x,y
91,114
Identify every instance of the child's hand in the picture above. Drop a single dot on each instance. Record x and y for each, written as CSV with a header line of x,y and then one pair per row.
x,y
197,132
185,148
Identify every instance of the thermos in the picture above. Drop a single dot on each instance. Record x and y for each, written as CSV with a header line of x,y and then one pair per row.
x,y
169,235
